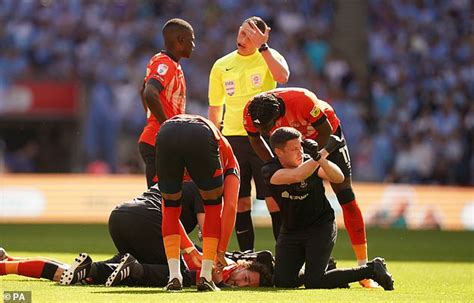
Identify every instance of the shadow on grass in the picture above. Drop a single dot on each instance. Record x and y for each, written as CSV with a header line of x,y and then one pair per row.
x,y
123,290
393,244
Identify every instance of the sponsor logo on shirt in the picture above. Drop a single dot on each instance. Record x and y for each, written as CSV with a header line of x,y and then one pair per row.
x,y
230,87
286,195
162,69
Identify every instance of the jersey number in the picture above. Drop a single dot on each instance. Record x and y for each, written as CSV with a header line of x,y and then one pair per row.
x,y
345,153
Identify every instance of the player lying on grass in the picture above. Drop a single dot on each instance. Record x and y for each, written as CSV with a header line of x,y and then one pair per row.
x,y
36,267
243,270
135,228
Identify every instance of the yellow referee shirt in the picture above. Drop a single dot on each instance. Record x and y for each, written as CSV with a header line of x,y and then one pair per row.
x,y
233,81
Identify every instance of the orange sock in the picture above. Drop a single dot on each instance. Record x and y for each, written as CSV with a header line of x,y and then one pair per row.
x,y
171,243
355,226
361,253
209,248
8,268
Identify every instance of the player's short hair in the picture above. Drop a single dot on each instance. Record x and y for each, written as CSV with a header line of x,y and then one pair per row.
x,y
262,26
282,135
266,278
176,24
263,108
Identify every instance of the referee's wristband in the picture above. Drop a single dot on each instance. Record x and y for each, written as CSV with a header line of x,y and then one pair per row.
x,y
263,47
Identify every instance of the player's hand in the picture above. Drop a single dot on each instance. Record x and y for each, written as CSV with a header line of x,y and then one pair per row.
x,y
311,148
334,143
256,37
220,262
196,257
217,276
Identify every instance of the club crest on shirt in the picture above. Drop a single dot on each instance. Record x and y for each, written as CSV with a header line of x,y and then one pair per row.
x,y
229,87
162,69
256,80
303,184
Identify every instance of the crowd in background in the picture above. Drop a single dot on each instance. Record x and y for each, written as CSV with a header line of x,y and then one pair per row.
x,y
411,121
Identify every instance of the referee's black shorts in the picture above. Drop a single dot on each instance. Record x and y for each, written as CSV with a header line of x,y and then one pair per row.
x,y
250,167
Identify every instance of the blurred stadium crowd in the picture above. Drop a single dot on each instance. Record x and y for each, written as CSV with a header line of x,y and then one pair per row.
x,y
411,120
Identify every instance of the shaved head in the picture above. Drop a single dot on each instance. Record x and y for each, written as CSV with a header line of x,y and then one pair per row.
x,y
173,28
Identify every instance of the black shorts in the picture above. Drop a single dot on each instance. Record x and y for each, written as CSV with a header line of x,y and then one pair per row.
x,y
187,144
341,157
138,235
250,167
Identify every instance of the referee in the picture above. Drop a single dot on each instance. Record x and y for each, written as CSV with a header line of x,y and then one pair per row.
x,y
252,68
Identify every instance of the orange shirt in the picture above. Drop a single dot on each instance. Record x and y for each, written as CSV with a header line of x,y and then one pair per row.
x,y
173,96
302,109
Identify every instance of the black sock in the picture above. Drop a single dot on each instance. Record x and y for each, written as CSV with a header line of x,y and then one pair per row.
x,y
244,231
49,269
136,272
100,271
93,272
339,278
276,223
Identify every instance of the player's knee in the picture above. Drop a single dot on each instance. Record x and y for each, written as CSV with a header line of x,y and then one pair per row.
x,y
215,201
272,205
212,195
285,282
347,183
244,204
345,196
172,200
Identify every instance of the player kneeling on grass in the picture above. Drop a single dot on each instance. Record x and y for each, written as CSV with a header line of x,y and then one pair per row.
x,y
308,232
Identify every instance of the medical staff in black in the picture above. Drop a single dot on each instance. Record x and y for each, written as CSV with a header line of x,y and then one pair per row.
x,y
309,231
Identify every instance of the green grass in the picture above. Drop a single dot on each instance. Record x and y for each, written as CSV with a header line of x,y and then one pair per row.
x,y
428,266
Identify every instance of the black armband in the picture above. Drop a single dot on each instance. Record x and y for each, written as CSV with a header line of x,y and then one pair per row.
x,y
319,121
156,84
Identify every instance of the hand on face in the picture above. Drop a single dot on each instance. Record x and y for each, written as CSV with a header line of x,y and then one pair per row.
x,y
255,36
220,261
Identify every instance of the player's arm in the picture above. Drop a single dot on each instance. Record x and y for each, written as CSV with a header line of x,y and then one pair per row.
x,y
229,210
142,98
294,175
151,94
188,246
276,64
330,171
260,147
215,114
324,129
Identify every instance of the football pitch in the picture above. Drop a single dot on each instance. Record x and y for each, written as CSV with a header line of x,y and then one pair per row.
x,y
427,266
